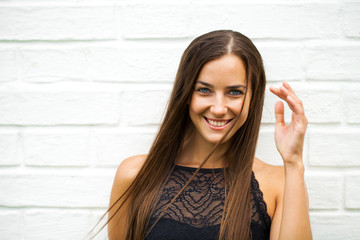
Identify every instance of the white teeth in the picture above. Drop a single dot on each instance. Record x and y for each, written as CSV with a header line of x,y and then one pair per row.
x,y
217,123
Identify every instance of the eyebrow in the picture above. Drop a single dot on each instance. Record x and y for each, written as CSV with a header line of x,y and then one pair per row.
x,y
232,86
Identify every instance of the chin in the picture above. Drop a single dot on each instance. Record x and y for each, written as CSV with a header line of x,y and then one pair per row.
x,y
215,140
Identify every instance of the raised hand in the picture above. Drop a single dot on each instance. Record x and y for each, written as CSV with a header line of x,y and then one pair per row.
x,y
289,139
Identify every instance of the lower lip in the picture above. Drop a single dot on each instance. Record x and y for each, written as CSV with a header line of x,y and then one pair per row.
x,y
217,127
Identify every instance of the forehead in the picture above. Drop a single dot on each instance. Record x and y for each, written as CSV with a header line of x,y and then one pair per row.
x,y
226,70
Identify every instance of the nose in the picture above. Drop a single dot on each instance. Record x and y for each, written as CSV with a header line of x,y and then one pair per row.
x,y
219,108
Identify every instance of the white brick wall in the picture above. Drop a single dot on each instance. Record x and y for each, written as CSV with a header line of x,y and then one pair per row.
x,y
60,22
84,84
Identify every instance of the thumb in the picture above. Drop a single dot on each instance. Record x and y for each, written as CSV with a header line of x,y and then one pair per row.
x,y
279,113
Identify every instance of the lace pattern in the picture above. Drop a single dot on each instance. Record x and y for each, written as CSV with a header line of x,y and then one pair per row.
x,y
201,204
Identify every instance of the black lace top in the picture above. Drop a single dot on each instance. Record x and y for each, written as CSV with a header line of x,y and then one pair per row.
x,y
197,212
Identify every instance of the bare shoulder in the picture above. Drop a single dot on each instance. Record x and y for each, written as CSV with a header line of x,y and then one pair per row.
x,y
118,206
129,168
268,172
271,180
125,175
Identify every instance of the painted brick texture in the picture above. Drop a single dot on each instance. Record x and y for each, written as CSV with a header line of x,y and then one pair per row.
x,y
85,84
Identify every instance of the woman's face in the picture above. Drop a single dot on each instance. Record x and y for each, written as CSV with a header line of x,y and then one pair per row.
x,y
218,97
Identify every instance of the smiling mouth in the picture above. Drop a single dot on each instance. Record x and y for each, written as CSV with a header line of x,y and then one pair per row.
x,y
217,124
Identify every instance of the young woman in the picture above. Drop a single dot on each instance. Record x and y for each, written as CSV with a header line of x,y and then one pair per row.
x,y
201,179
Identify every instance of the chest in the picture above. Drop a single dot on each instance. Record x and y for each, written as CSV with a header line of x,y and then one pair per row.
x,y
198,209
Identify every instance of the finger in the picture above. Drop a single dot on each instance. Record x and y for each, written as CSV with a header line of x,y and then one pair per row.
x,y
278,92
287,86
298,119
279,113
299,122
293,117
284,93
290,90
295,106
274,90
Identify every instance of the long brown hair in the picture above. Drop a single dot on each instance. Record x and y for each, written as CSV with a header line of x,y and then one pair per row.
x,y
160,161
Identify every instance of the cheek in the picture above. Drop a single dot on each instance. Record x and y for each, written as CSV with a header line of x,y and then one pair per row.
x,y
240,122
197,105
236,106
244,112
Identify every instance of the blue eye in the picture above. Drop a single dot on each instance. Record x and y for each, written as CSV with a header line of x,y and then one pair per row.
x,y
203,90
236,92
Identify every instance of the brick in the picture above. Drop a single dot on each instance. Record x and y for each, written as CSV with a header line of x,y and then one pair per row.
x,y
57,23
8,63
61,224
52,107
351,19
50,65
134,63
11,224
325,191
335,226
352,191
351,98
270,20
156,21
322,105
281,62
55,148
9,149
332,62
95,217
53,189
112,148
334,147
266,148
143,107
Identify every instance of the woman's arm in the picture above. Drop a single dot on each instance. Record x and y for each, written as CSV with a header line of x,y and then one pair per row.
x,y
291,219
125,175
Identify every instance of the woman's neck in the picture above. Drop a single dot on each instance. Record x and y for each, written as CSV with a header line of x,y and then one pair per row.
x,y
196,149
